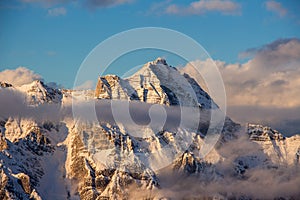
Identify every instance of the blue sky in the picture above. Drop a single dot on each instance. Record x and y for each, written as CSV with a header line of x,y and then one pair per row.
x,y
52,38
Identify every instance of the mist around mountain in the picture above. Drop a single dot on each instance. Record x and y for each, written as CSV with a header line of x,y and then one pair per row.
x,y
48,153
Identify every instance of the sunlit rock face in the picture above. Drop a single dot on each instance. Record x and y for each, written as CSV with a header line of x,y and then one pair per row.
x,y
158,83
113,87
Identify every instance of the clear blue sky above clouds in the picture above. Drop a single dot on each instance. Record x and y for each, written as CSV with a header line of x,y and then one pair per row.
x,y
52,38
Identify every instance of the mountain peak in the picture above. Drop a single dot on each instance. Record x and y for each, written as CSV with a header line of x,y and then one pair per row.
x,y
263,133
160,60
38,83
157,61
38,92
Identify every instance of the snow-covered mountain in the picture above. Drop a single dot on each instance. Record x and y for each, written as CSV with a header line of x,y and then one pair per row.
x,y
38,92
71,159
156,82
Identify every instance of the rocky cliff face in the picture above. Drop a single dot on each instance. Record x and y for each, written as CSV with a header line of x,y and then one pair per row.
x,y
21,157
70,159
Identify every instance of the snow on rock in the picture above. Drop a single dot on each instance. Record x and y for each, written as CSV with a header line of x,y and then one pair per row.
x,y
279,148
18,128
38,92
157,82
113,87
104,175
263,133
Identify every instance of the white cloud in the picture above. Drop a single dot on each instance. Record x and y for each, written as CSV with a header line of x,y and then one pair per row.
x,y
19,76
276,7
270,78
203,6
269,81
54,12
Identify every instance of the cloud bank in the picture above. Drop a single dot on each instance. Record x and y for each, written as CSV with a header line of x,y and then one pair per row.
x,y
269,82
19,76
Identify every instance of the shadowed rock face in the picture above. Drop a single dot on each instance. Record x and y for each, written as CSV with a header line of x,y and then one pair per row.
x,y
5,85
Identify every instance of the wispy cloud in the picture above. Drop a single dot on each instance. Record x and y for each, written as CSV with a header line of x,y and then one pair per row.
x,y
46,3
94,4
204,6
54,12
51,53
91,4
276,7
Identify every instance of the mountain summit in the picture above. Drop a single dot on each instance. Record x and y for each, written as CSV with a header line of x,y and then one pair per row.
x,y
159,60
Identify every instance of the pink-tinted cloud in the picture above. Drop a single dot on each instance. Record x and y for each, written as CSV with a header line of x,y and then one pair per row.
x,y
276,7
203,6
91,4
46,3
269,81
